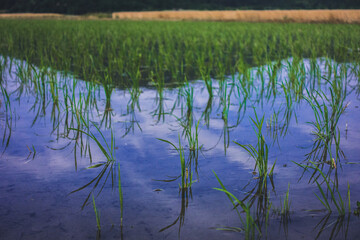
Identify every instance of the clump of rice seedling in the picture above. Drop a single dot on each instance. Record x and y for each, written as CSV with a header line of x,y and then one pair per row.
x,y
285,207
331,188
260,153
249,224
326,120
186,177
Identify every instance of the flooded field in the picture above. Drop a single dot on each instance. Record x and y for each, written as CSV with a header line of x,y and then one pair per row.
x,y
259,148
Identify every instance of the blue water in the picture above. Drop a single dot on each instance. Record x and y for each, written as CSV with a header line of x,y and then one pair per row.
x,y
42,163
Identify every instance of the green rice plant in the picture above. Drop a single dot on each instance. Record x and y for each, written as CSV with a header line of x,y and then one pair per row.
x,y
249,224
205,75
285,212
272,71
326,120
260,153
225,96
173,50
7,101
186,177
80,119
8,117
331,188
273,125
158,81
3,65
207,112
108,149
120,197
189,95
7,134
193,138
285,207
258,198
54,88
97,214
31,151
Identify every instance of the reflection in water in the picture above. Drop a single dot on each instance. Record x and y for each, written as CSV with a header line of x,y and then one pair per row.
x,y
207,112
71,105
336,228
108,89
99,181
185,193
8,117
326,131
258,198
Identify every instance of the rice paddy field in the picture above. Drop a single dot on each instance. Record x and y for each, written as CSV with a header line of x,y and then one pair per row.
x,y
179,130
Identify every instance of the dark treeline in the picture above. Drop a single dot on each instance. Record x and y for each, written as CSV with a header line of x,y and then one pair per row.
x,y
92,6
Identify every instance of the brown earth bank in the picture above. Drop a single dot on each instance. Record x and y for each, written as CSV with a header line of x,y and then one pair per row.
x,y
301,16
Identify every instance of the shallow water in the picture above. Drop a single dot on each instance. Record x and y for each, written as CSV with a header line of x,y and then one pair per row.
x,y
43,161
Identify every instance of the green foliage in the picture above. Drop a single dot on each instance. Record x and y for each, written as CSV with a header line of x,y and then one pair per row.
x,y
186,177
260,153
249,224
285,208
97,214
332,188
120,197
130,53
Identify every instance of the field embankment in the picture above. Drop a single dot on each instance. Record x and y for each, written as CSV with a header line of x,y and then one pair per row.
x,y
301,16
31,15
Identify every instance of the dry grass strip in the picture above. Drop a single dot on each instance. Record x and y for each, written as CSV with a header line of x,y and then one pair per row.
x,y
302,16
30,15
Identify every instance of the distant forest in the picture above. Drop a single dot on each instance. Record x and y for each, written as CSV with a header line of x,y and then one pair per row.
x,y
94,6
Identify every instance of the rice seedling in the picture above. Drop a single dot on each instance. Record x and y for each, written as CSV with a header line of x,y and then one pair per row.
x,y
260,153
108,150
97,214
249,224
207,112
186,177
189,95
285,207
258,197
158,81
7,102
205,75
32,151
332,188
326,120
272,71
225,96
8,118
120,197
